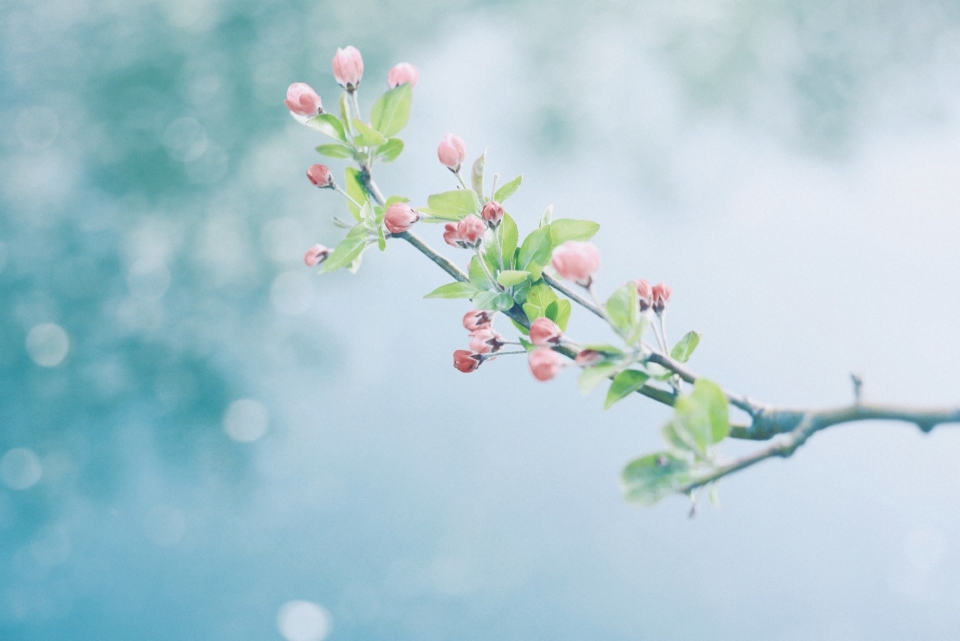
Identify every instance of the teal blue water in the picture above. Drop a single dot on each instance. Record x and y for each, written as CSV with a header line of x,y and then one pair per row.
x,y
196,430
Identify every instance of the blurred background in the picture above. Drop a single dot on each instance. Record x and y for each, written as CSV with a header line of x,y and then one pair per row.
x,y
202,439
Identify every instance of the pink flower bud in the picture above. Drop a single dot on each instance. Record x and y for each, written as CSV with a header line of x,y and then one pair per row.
x,y
451,151
316,255
545,333
400,217
544,363
470,230
492,212
320,176
348,68
303,100
661,296
485,340
576,261
644,294
466,361
402,74
476,319
588,357
450,235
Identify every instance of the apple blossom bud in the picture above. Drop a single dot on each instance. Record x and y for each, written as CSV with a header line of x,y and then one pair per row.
x,y
466,361
661,296
400,217
316,255
450,235
470,231
348,68
544,363
588,357
402,74
485,340
544,332
476,319
320,176
303,100
492,212
576,261
451,151
644,294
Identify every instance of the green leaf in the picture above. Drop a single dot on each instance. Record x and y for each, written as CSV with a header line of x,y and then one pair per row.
x,y
354,188
700,419
538,299
507,237
564,229
650,478
354,265
547,217
329,125
477,276
486,301
335,150
559,312
509,278
344,253
396,199
381,239
527,345
390,150
367,136
476,174
391,111
344,110
684,348
591,377
503,302
624,310
520,328
454,290
535,251
626,382
505,191
453,205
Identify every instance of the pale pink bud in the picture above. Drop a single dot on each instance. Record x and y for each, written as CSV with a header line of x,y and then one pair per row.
x,y
316,255
470,230
466,361
661,296
450,235
303,100
476,319
400,217
492,212
544,332
320,176
451,151
402,74
544,363
576,261
644,294
348,68
485,340
587,357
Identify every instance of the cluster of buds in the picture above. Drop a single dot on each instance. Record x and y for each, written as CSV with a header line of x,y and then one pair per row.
x,y
484,341
466,233
654,297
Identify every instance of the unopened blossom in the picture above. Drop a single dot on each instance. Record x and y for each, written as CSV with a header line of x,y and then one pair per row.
x,y
476,319
348,67
451,151
316,255
661,297
400,217
320,176
450,235
588,357
492,212
403,73
470,230
577,261
303,100
544,363
644,294
466,361
485,340
545,333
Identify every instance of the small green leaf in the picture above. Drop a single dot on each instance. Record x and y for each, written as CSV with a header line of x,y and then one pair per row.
x,y
547,217
538,299
520,328
354,188
559,312
604,348
505,191
335,151
344,253
329,125
650,478
454,290
684,348
624,311
391,111
396,199
700,419
344,111
503,302
535,251
367,136
476,174
527,345
381,240
507,236
477,276
626,382
453,205
591,377
564,229
509,278
390,150
486,301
